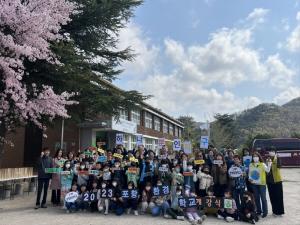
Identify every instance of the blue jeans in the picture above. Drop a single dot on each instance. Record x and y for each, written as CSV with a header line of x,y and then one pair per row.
x,y
260,199
238,196
71,206
158,209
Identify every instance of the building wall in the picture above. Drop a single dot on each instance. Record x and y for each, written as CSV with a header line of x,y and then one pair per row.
x,y
71,137
14,156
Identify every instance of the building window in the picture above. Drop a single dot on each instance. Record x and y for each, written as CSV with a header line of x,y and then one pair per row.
x,y
176,131
148,144
165,127
124,114
171,129
133,142
148,120
157,123
126,141
136,116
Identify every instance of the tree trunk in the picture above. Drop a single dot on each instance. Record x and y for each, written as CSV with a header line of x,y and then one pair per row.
x,y
3,132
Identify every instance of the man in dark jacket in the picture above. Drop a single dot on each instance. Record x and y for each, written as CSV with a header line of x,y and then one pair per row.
x,y
43,178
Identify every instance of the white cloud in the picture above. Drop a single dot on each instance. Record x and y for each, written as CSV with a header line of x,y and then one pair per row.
x,y
146,53
287,95
293,41
258,15
199,70
280,75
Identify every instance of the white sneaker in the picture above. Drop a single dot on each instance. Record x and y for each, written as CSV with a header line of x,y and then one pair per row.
x,y
203,217
167,216
180,217
229,219
68,211
136,213
128,211
220,217
106,212
199,221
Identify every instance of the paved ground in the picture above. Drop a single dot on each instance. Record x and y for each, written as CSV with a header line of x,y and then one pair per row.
x,y
20,211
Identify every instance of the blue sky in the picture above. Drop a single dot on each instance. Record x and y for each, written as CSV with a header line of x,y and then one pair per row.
x,y
201,57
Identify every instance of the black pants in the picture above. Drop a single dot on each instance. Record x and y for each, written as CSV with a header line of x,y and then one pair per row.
x,y
225,214
55,197
43,183
219,190
131,204
253,216
174,213
276,198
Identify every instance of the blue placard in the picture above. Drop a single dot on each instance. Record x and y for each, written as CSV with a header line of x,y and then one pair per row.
x,y
102,158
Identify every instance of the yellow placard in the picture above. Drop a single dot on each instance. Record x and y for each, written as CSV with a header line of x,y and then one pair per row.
x,y
118,155
101,150
133,159
199,162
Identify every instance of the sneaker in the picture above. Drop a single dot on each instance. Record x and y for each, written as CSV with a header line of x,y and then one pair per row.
x,y
167,216
135,212
68,211
203,217
220,217
199,221
229,219
128,211
43,206
193,222
252,222
37,207
106,212
180,217
264,215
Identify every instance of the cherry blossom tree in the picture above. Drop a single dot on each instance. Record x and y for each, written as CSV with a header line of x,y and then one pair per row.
x,y
27,27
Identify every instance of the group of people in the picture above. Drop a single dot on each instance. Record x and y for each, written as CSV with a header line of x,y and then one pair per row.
x,y
171,184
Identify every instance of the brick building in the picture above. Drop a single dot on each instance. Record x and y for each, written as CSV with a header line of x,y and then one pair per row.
x,y
152,123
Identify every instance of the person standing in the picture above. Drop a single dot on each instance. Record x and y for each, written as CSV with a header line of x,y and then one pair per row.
x,y
43,178
58,162
257,177
274,183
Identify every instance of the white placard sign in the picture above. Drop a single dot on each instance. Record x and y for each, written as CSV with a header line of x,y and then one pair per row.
x,y
187,147
204,142
71,196
161,142
119,139
139,139
235,171
177,145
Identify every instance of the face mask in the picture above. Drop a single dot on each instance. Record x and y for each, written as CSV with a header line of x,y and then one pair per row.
x,y
190,168
175,162
206,172
256,159
68,166
159,184
117,165
106,169
164,165
177,170
114,184
178,193
148,188
103,185
129,187
82,167
187,192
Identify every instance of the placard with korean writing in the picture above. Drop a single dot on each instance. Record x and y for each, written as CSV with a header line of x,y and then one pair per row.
x,y
139,139
119,139
187,147
204,142
177,145
187,202
161,190
71,196
53,170
130,194
227,203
